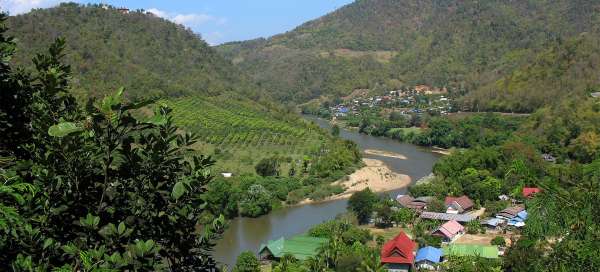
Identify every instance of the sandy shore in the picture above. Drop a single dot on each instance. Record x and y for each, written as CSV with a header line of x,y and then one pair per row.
x,y
441,151
385,154
375,175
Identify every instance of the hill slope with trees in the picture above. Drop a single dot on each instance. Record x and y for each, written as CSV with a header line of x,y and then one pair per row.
x,y
107,49
469,46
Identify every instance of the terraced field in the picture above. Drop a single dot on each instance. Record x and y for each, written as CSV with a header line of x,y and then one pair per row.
x,y
239,133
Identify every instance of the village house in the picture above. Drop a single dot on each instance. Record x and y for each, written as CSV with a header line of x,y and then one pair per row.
x,y
428,258
227,175
595,95
419,203
449,231
514,216
510,212
301,247
530,192
549,158
493,223
458,205
398,254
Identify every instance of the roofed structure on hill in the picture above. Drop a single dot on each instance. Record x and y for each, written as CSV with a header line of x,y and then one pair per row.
x,y
449,230
458,204
493,223
519,220
510,212
529,192
398,253
409,202
301,247
461,218
488,252
595,95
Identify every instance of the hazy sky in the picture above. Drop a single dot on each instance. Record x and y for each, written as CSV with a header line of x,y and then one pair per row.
x,y
217,20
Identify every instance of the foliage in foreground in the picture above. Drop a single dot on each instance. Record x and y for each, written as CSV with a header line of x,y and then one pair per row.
x,y
94,189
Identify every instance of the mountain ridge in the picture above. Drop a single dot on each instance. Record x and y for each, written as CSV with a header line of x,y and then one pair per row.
x,y
463,45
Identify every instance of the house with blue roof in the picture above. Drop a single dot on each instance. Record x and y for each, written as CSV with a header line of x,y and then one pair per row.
x,y
519,220
428,258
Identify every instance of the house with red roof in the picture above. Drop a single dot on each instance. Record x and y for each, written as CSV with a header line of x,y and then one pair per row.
x,y
458,205
449,231
529,192
398,254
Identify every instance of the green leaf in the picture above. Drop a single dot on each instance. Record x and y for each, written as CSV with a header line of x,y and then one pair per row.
x,y
111,101
121,228
157,120
178,190
48,242
64,129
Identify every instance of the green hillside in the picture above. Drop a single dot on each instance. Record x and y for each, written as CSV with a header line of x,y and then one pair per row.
x,y
465,45
107,49
152,57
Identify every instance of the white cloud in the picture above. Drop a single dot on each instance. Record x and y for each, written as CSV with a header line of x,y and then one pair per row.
x,y
15,7
191,20
195,21
213,38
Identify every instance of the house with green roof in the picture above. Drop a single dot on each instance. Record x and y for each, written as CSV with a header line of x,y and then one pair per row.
x,y
301,247
489,252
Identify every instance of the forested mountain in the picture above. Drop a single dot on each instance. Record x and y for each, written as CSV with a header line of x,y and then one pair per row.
x,y
108,48
509,55
139,51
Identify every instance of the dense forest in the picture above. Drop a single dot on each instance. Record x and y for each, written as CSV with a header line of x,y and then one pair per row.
x,y
501,52
147,55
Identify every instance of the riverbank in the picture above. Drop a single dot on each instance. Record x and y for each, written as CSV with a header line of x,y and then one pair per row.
x,y
441,151
375,175
385,154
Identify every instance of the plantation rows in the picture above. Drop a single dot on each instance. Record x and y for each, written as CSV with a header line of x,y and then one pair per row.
x,y
235,124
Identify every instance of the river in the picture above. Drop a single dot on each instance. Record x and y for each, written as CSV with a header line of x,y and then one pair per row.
x,y
249,233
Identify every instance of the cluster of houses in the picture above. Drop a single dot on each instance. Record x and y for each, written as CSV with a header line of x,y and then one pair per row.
x,y
410,101
401,255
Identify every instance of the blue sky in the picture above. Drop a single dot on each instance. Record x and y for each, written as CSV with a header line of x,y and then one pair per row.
x,y
217,21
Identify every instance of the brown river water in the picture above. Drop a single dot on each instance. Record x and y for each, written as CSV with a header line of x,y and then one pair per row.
x,y
249,233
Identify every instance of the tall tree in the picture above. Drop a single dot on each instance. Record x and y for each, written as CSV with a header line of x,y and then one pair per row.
x,y
96,189
362,204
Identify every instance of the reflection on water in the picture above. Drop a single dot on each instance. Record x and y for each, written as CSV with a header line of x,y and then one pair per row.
x,y
249,233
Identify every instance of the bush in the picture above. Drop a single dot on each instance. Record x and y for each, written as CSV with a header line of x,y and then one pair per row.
x,y
268,167
247,262
499,241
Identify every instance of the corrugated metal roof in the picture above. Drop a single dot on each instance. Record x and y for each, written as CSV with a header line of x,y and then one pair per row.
x,y
301,247
431,254
398,250
450,229
447,216
489,252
